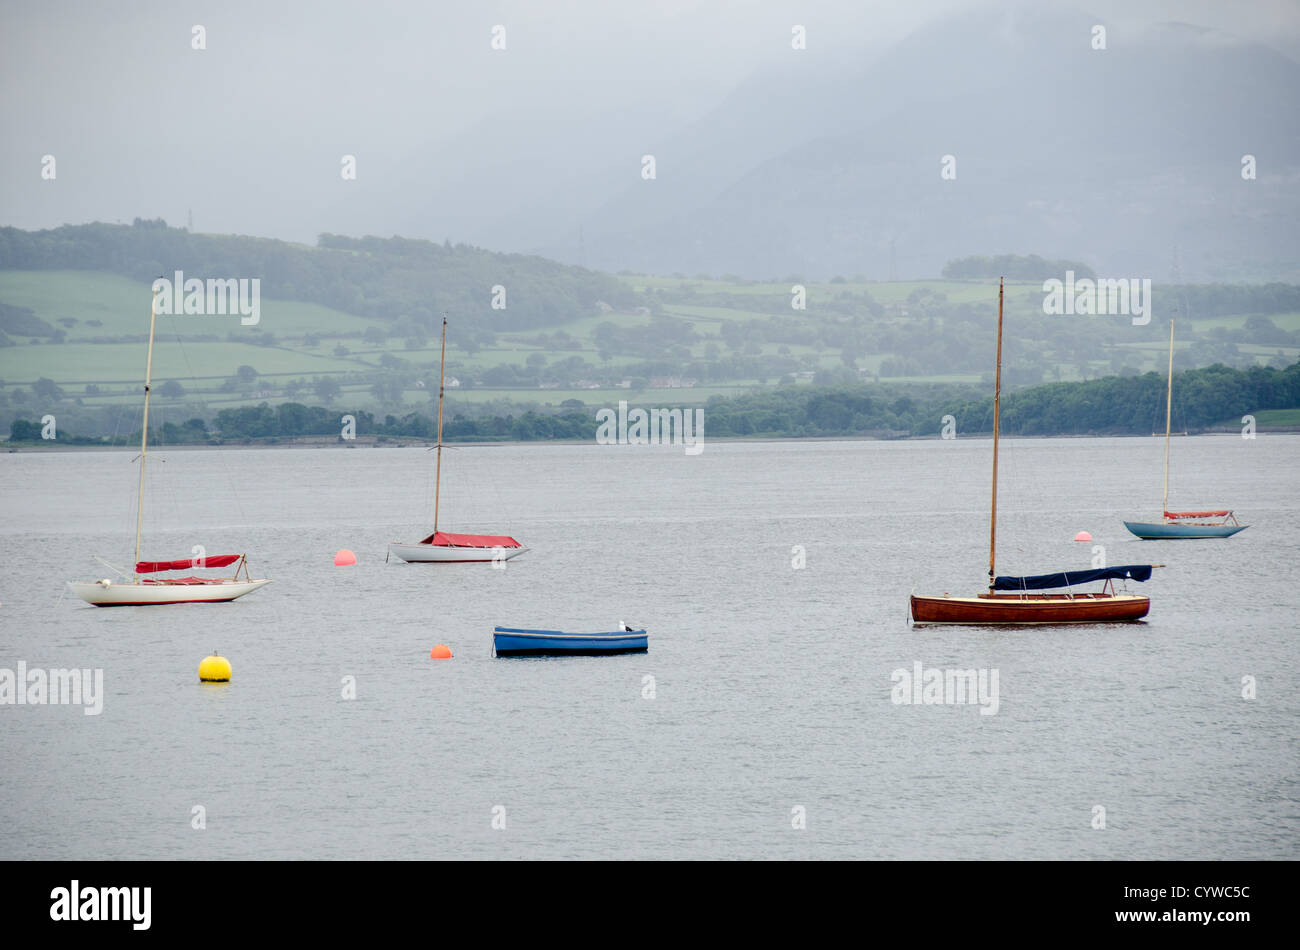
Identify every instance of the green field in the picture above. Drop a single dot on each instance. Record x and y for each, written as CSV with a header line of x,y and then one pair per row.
x,y
307,341
958,291
1270,417
80,363
1284,321
122,307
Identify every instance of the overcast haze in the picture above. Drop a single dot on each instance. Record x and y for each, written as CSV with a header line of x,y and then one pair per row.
x,y
514,149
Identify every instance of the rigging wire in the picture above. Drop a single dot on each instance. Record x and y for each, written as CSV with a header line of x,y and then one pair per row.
x,y
222,461
122,408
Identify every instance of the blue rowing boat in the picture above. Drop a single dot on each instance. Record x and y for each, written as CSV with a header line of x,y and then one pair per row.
x,y
515,641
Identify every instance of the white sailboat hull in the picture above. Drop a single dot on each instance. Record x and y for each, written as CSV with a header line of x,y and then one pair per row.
x,y
449,554
99,594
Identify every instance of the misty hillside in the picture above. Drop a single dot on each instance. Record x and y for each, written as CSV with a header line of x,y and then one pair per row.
x,y
354,322
1128,157
392,279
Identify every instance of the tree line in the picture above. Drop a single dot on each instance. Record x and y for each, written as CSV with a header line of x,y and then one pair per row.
x,y
1114,405
1014,267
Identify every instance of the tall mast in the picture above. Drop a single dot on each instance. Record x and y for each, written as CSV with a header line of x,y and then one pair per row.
x,y
442,372
144,434
997,399
1169,405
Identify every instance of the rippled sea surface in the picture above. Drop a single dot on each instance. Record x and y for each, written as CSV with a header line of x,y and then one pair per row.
x,y
770,695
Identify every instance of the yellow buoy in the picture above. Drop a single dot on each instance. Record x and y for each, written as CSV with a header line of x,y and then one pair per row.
x,y
214,669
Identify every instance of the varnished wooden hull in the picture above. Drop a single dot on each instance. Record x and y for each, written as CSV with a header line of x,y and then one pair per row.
x,y
1031,609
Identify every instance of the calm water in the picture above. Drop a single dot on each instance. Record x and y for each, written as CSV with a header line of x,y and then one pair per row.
x,y
771,684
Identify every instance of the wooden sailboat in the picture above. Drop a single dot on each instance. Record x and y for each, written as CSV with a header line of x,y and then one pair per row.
x,y
1220,523
442,547
1016,604
178,590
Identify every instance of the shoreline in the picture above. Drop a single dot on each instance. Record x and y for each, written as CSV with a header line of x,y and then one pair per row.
x,y
401,442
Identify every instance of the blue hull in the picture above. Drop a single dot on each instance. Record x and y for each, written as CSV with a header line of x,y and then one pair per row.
x,y
1159,531
513,641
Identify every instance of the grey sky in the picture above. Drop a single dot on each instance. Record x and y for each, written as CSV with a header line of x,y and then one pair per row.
x,y
249,132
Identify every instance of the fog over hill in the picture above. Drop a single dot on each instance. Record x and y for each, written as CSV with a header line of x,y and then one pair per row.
x,y
1124,157
771,161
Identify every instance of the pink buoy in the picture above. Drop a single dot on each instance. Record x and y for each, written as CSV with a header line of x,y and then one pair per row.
x,y
344,558
1083,536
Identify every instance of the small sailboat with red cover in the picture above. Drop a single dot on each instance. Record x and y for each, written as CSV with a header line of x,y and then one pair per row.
x,y
143,592
1016,600
442,547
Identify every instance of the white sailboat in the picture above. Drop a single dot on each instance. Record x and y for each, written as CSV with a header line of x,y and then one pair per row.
x,y
140,592
442,547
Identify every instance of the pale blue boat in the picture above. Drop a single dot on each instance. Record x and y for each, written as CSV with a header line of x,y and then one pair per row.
x,y
518,641
1172,530
1178,525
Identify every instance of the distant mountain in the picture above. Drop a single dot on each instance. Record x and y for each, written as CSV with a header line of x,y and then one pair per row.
x,y
1127,158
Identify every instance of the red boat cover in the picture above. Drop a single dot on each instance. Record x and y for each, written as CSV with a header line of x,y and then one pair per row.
x,y
186,564
443,539
180,580
1197,514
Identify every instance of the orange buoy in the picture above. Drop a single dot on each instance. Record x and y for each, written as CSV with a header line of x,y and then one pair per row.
x,y
344,558
1083,536
440,652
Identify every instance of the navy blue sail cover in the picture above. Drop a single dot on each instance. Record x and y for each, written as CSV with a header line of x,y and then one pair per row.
x,y
1137,572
